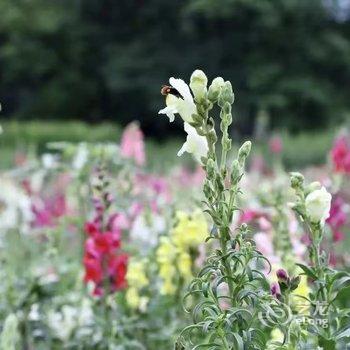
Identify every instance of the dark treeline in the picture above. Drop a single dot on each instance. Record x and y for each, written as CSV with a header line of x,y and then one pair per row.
x,y
106,59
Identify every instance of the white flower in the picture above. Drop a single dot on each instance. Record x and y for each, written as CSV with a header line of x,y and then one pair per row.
x,y
49,161
15,207
34,314
81,156
63,323
145,230
86,315
182,105
318,205
195,144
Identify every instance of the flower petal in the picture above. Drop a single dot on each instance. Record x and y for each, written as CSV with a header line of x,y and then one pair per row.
x,y
182,88
169,111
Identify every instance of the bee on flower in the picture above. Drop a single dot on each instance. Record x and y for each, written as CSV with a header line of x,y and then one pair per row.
x,y
181,99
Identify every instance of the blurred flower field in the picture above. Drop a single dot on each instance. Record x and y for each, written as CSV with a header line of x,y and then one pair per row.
x,y
105,246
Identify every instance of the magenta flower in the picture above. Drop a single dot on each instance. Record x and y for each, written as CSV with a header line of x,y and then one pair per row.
x,y
337,218
340,155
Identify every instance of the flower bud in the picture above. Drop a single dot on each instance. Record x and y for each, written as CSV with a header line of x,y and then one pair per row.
x,y
215,89
212,136
294,283
282,275
236,172
227,108
198,84
275,290
243,152
296,180
226,95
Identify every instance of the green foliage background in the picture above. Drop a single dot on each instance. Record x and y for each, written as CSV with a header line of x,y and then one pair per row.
x,y
106,59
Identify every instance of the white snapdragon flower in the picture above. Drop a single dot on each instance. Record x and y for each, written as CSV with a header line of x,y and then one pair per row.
x,y
318,205
178,100
195,144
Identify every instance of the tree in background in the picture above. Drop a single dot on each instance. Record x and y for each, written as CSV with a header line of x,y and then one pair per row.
x,y
94,59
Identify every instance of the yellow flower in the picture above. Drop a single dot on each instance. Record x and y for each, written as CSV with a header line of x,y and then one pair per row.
x,y
190,231
166,256
166,251
136,275
168,287
132,297
185,263
137,279
173,254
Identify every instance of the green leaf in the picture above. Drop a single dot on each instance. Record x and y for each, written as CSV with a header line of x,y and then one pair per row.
x,y
308,271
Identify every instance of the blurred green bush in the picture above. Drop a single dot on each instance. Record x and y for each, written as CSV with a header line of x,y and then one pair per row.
x,y
96,60
301,150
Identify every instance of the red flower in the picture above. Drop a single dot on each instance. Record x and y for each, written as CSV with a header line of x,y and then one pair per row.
x,y
91,228
93,270
117,270
102,261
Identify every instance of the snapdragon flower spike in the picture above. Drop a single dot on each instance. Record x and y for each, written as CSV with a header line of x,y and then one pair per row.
x,y
102,260
105,265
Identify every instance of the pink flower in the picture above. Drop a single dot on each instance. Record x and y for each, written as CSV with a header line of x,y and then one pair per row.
x,y
252,215
132,144
48,211
275,145
119,221
340,155
337,218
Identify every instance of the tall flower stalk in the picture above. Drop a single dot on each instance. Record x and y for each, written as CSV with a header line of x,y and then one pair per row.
x,y
312,206
230,290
